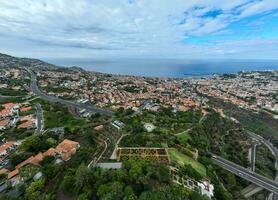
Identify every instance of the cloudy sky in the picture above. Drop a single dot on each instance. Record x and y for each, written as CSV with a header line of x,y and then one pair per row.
x,y
188,29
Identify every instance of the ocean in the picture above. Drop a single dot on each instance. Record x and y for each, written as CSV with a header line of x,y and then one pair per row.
x,y
172,68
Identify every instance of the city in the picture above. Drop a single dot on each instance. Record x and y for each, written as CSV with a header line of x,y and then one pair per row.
x,y
116,118
138,100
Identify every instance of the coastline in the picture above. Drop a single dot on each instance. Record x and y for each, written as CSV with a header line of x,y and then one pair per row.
x,y
166,69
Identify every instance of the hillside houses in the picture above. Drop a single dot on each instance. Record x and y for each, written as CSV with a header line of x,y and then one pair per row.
x,y
62,153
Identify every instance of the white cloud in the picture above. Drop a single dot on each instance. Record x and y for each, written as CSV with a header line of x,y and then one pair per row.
x,y
109,27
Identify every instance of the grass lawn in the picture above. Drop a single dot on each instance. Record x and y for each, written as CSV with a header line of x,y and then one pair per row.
x,y
182,159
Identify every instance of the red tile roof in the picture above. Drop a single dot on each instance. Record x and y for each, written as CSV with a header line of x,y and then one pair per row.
x,y
66,149
25,108
25,162
13,173
49,152
4,122
4,171
26,124
6,146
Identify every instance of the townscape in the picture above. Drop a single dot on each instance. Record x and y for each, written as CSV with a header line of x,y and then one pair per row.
x,y
210,137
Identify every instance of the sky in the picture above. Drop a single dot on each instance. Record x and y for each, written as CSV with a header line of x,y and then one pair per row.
x,y
105,29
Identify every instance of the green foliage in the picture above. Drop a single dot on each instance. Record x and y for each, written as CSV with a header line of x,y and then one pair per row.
x,y
17,158
47,160
6,197
34,143
57,89
136,180
221,192
82,177
183,160
11,92
67,184
191,172
33,192
51,170
57,115
197,196
165,193
28,171
167,122
113,190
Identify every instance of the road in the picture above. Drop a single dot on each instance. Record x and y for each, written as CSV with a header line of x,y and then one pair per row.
x,y
273,150
244,173
98,157
39,113
253,157
90,108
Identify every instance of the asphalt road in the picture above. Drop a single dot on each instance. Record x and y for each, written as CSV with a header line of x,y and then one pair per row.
x,y
253,157
90,108
246,174
39,118
273,150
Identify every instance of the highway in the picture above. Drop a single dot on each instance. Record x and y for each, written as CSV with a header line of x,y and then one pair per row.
x,y
273,150
90,108
246,174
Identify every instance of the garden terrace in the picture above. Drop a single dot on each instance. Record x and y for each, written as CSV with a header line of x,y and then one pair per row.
x,y
141,153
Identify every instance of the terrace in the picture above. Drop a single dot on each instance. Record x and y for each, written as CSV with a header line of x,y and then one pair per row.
x,y
142,153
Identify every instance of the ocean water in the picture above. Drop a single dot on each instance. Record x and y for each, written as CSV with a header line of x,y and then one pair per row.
x,y
167,67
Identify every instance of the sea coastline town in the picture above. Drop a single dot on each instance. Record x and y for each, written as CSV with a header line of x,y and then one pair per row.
x,y
252,90
24,112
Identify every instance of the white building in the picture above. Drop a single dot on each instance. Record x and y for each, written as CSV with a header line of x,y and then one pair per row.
x,y
149,127
206,188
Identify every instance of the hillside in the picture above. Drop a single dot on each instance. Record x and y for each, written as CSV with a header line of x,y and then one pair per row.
x,y
8,61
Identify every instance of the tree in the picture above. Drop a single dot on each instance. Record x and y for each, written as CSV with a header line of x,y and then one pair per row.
x,y
47,160
111,191
17,158
129,194
221,193
67,184
196,196
34,143
83,177
191,172
50,170
33,192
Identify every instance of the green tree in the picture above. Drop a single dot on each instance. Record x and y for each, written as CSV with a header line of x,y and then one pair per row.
x,y
83,177
34,143
111,191
191,172
68,184
33,192
221,193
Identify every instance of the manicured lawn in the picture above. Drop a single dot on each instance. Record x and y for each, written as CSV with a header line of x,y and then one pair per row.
x,y
182,159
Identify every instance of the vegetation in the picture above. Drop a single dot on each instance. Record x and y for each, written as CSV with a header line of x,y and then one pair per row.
x,y
57,115
167,122
183,159
260,123
136,180
11,92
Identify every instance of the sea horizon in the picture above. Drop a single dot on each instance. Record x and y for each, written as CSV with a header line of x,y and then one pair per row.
x,y
166,68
